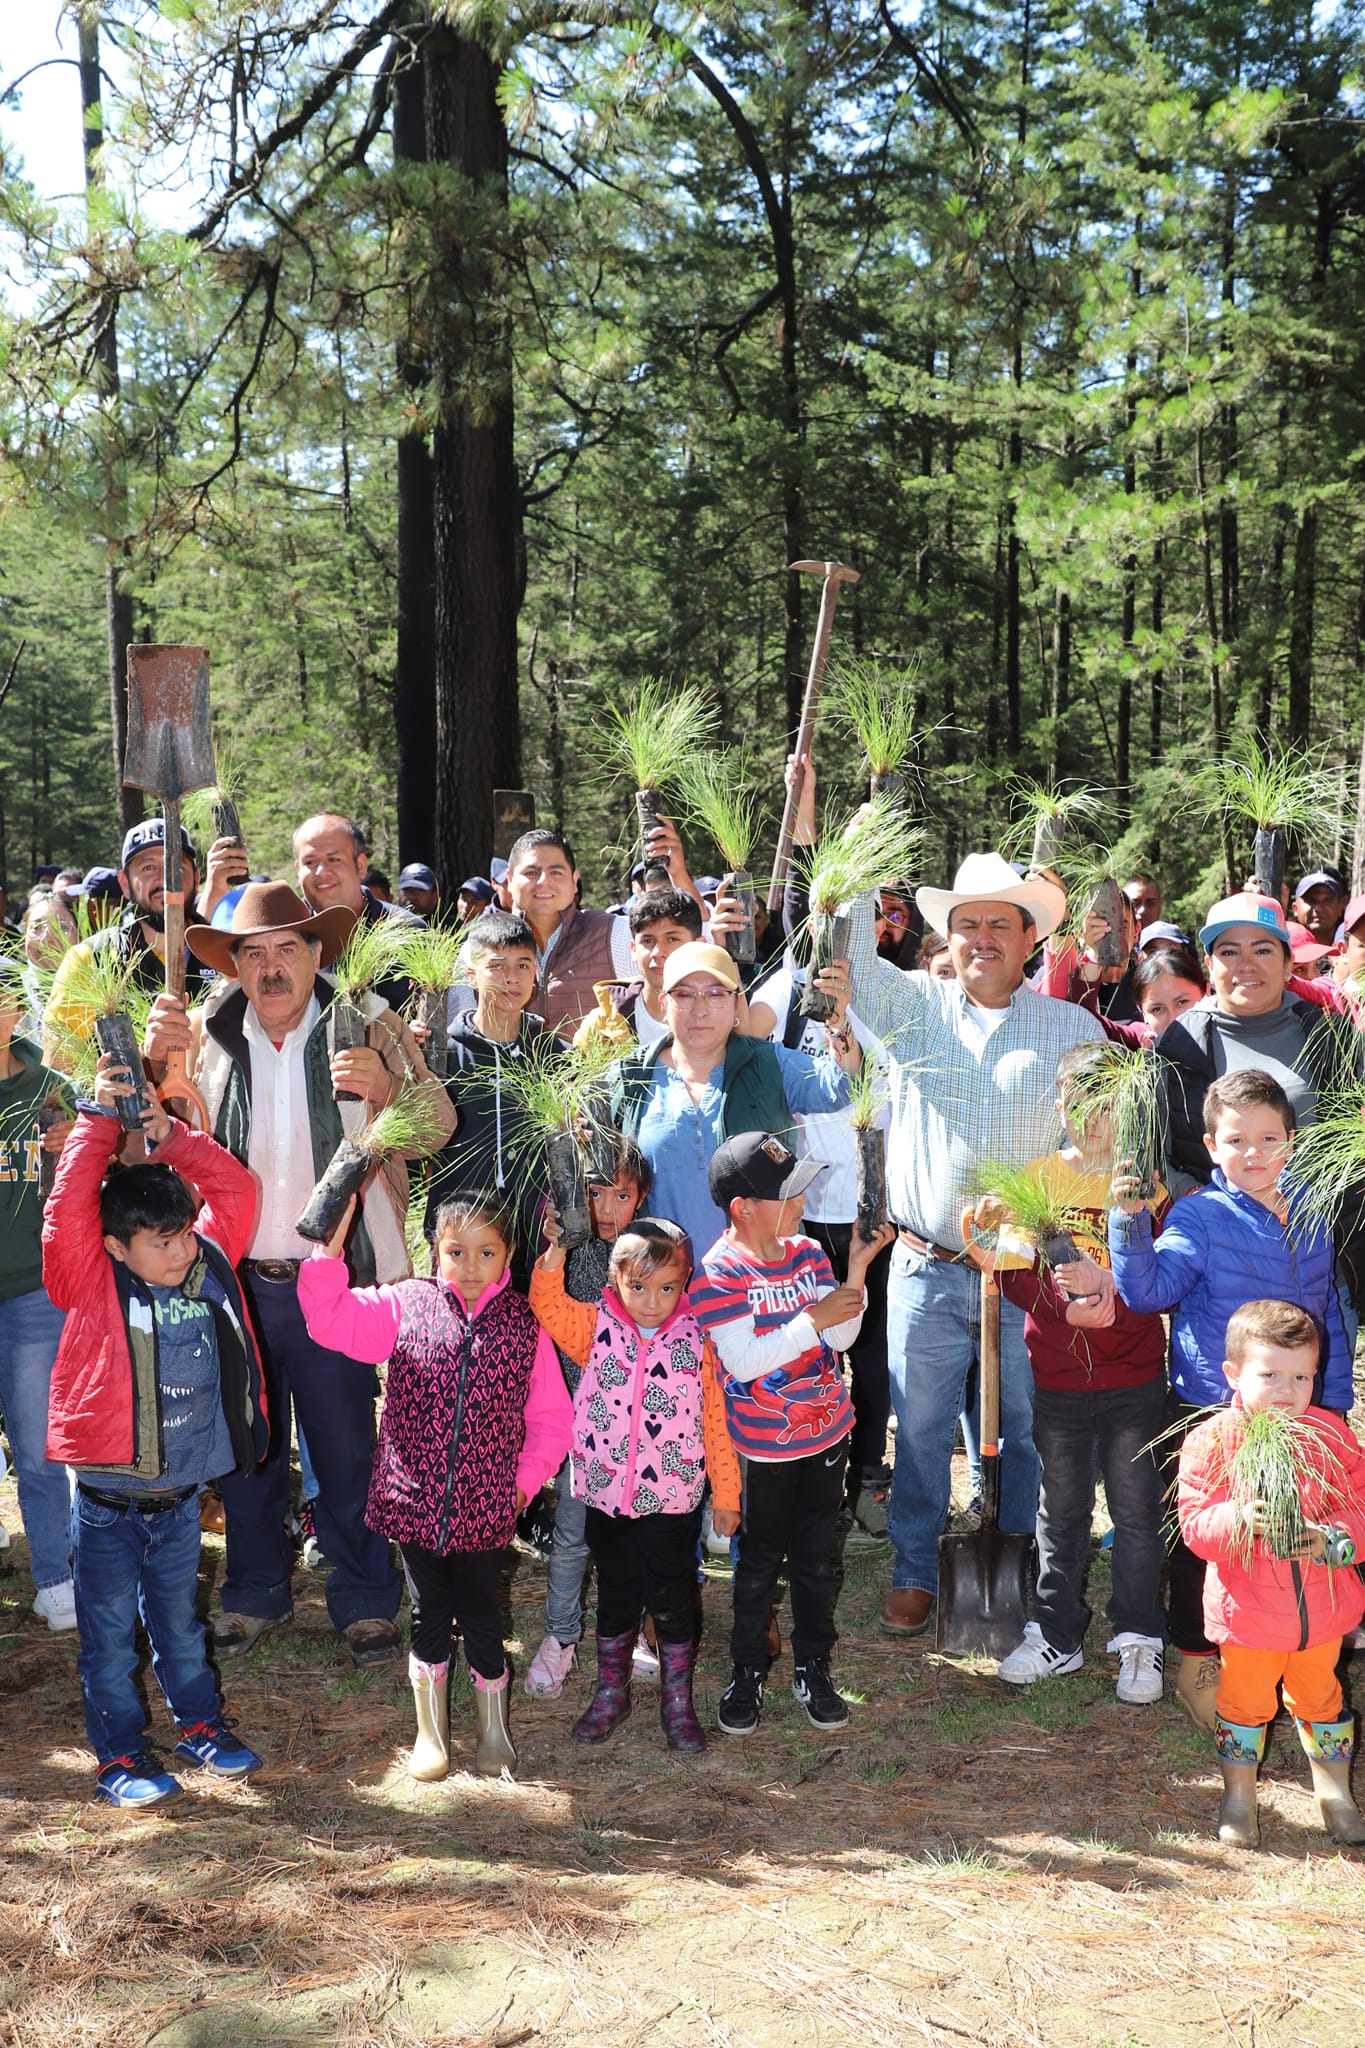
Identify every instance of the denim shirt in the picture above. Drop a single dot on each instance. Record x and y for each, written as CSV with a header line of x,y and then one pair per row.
x,y
679,1137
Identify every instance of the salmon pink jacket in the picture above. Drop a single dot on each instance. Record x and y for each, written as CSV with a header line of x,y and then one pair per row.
x,y
1273,1603
475,1406
649,1415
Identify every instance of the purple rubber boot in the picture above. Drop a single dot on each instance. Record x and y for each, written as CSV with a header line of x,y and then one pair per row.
x,y
611,1703
680,1723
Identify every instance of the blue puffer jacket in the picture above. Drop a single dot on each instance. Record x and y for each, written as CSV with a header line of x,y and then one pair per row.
x,y
1219,1250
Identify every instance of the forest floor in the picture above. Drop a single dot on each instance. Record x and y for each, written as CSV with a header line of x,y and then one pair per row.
x,y
964,1866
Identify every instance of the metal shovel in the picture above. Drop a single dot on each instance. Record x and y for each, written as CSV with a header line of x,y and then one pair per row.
x,y
170,753
985,1579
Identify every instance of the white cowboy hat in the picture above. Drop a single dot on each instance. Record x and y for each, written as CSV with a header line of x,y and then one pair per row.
x,y
989,878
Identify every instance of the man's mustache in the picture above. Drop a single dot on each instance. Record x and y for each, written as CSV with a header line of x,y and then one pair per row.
x,y
275,984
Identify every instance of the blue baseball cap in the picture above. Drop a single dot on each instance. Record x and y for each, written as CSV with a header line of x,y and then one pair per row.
x,y
151,832
497,868
1162,934
1247,908
100,883
417,875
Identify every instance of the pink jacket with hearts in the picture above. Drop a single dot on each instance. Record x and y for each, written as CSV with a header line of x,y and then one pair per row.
x,y
649,1414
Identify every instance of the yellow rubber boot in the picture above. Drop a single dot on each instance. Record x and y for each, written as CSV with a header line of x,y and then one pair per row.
x,y
430,1758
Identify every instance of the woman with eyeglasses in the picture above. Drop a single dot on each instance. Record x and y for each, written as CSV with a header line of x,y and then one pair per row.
x,y
707,1080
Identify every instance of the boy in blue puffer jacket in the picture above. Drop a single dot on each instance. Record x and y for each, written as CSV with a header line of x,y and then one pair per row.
x,y
1230,1243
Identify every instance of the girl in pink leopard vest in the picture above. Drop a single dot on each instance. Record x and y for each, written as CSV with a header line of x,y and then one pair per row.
x,y
476,1419
648,1430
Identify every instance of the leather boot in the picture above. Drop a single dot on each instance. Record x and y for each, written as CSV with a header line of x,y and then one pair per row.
x,y
430,1758
493,1751
676,1712
1240,1750
1329,1747
1196,1687
611,1703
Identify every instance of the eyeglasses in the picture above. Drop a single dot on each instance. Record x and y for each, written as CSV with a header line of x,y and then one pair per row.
x,y
688,996
894,916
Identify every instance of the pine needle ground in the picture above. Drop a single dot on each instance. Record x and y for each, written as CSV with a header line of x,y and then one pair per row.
x,y
963,1864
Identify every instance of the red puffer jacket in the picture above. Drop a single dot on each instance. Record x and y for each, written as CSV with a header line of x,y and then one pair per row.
x,y
1273,1603
94,1417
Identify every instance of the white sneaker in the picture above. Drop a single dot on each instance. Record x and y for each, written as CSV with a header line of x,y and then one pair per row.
x,y
57,1605
549,1668
1142,1661
4,1537
1035,1658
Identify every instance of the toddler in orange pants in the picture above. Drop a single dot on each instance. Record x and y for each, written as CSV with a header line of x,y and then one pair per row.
x,y
1279,1620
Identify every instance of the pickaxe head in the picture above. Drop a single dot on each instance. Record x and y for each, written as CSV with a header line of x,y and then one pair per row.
x,y
833,572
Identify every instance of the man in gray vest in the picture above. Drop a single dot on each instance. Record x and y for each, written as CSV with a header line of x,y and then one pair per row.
x,y
258,1050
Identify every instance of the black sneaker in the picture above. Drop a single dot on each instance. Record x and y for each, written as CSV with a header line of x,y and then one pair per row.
x,y
742,1702
814,1688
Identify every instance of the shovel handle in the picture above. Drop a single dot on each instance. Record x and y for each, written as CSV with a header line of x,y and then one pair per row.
x,y
176,1086
990,1366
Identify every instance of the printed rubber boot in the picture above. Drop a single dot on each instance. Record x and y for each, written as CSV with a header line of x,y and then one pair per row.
x,y
1240,1750
676,1712
430,1758
493,1752
611,1703
1329,1747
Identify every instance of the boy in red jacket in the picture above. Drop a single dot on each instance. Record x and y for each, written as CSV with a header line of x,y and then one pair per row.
x,y
1279,1618
156,1389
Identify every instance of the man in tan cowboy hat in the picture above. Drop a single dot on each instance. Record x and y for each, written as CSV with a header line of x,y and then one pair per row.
x,y
258,1049
973,1065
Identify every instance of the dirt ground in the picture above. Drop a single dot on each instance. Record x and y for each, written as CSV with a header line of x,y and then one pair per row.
x,y
962,1865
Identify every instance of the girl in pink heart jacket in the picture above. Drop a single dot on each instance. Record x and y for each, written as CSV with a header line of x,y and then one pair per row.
x,y
649,1429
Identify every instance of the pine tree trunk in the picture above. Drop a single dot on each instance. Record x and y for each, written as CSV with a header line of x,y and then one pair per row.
x,y
477,502
1303,601
414,682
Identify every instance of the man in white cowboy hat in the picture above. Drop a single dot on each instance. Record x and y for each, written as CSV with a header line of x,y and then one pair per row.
x,y
258,1050
973,1065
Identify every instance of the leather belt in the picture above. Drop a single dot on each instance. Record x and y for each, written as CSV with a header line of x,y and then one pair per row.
x,y
140,1503
282,1272
926,1247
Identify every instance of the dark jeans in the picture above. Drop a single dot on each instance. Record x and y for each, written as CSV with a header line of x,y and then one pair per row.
x,y
1185,1571
1078,1437
871,1387
463,1588
334,1400
130,1567
646,1564
791,1510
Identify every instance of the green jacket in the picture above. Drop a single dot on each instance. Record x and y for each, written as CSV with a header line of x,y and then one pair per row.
x,y
752,1095
21,1215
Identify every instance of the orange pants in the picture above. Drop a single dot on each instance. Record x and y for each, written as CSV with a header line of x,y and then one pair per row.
x,y
1248,1680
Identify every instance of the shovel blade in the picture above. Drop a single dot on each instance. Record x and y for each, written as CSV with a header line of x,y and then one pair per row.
x,y
170,743
985,1583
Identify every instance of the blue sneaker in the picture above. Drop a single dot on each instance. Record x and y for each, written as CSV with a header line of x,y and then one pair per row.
x,y
213,1746
134,1781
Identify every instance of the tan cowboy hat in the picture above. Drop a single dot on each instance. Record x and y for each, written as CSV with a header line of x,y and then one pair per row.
x,y
270,907
989,878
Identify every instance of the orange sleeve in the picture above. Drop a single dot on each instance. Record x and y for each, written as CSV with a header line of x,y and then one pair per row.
x,y
722,1462
572,1324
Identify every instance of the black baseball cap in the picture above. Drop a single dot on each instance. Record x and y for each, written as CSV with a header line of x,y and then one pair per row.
x,y
760,1168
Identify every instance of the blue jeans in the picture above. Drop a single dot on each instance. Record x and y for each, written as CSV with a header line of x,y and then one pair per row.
x,y
933,1332
1080,1435
130,1566
30,1330
334,1399
568,1564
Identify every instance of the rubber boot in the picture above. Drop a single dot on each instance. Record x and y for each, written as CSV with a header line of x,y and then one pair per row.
x,y
430,1758
676,1712
1240,1750
611,1703
1196,1688
493,1752
1329,1747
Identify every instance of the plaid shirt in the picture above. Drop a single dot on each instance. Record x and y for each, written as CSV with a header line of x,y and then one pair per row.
x,y
960,1094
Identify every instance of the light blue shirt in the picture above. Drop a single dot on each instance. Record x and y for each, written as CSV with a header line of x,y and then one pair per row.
x,y
679,1137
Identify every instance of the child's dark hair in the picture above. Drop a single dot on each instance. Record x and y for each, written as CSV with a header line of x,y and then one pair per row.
x,y
1247,1088
144,1197
499,931
1282,1324
643,1247
473,1212
656,905
1161,960
930,946
629,1163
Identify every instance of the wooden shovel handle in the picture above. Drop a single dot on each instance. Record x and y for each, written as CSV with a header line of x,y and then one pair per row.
x,y
176,1086
979,1256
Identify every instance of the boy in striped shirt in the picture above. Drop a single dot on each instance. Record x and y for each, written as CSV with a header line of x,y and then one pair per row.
x,y
770,1304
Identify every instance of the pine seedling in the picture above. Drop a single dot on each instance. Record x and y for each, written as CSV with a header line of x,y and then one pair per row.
x,y
1275,1459
1289,790
1033,1208
876,703
867,1095
96,987
1121,1085
1327,1164
1047,815
373,952
411,1125
215,812
655,729
716,788
877,844
429,956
